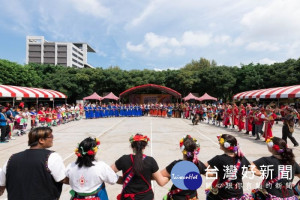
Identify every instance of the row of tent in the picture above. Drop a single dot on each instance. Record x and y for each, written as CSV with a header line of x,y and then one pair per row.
x,y
111,95
95,96
205,97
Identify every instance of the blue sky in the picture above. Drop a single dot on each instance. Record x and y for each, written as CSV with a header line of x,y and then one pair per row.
x,y
157,34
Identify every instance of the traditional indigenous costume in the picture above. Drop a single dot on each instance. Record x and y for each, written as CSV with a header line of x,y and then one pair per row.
x,y
91,112
136,187
235,118
169,113
226,118
54,117
242,116
249,119
155,110
269,122
87,183
97,112
177,193
278,184
42,117
259,122
229,184
209,114
187,111
45,166
33,116
86,111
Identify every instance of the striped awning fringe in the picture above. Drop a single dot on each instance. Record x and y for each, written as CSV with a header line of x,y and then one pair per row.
x,y
270,93
27,92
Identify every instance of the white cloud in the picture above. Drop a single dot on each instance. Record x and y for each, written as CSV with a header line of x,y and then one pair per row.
x,y
262,46
149,9
164,51
279,18
222,39
266,61
199,38
180,51
168,45
154,40
136,48
91,7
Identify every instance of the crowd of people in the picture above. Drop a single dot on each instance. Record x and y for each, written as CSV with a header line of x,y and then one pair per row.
x,y
16,119
38,173
252,119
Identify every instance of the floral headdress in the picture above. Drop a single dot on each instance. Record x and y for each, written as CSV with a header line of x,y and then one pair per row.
x,y
271,144
187,153
139,137
90,152
227,145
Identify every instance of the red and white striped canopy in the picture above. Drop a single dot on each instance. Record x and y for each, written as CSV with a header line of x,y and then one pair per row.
x,y
271,93
27,92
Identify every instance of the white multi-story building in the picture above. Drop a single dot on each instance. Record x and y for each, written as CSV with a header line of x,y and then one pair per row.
x,y
39,50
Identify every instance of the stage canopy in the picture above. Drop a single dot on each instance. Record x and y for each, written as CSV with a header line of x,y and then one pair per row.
x,y
111,96
27,92
270,93
158,87
94,96
189,97
207,97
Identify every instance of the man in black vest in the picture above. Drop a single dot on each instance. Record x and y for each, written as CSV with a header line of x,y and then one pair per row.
x,y
36,173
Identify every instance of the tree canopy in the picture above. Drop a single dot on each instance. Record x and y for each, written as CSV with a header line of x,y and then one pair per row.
x,y
198,76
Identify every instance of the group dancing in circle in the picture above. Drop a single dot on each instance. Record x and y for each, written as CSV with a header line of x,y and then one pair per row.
x,y
38,173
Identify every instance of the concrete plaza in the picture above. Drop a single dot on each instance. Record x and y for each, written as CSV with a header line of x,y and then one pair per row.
x,y
164,146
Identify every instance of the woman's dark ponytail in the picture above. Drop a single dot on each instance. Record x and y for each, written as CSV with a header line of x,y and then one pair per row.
x,y
138,144
138,164
288,156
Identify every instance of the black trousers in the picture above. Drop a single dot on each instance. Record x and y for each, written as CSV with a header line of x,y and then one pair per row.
x,y
287,134
253,129
4,132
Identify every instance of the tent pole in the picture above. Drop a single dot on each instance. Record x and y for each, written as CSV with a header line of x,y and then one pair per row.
x,y
37,104
13,101
53,104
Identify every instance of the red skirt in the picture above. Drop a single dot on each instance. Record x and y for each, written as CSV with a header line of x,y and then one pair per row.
x,y
164,113
159,112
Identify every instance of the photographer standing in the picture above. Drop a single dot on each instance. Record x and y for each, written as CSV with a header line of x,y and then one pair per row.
x,y
288,126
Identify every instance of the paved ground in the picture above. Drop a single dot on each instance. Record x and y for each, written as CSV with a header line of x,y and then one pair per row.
x,y
164,147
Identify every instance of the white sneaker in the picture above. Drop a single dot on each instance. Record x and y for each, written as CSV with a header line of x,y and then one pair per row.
x,y
12,138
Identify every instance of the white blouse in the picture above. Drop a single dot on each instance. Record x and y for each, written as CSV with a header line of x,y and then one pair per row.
x,y
88,179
